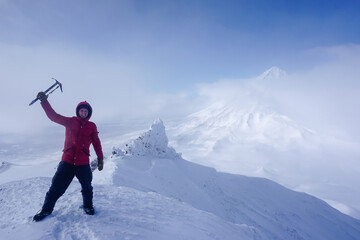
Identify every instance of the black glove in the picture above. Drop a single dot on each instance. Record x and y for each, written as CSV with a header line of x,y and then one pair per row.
x,y
100,164
42,96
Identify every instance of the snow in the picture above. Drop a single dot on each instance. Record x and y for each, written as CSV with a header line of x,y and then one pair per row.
x,y
122,213
148,191
4,166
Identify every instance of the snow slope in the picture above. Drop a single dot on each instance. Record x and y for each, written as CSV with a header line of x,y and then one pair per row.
x,y
276,212
148,191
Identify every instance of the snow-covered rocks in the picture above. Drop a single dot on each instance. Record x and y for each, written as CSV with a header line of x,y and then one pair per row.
x,y
153,143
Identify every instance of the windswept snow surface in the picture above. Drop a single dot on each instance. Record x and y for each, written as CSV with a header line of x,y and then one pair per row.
x,y
148,191
122,213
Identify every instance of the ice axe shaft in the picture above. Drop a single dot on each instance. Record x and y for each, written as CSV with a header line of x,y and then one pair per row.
x,y
57,83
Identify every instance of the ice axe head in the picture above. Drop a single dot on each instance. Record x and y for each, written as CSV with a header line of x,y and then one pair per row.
x,y
58,83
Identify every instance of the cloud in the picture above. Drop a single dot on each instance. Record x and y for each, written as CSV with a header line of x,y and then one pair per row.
x,y
116,89
26,71
324,97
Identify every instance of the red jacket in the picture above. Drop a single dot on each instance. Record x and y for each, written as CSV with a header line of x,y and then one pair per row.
x,y
79,134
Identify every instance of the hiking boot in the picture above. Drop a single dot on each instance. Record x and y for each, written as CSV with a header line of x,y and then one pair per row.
x,y
89,210
41,215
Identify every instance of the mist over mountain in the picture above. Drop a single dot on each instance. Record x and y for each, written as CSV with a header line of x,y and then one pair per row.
x,y
245,130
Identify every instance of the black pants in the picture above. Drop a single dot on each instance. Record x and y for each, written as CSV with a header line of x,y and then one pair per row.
x,y
63,177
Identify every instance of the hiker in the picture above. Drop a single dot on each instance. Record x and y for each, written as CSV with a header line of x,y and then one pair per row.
x,y
80,133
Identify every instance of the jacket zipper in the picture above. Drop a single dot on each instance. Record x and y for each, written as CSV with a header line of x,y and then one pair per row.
x,y
77,151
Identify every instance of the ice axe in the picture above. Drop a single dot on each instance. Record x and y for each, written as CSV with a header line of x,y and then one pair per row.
x,y
57,84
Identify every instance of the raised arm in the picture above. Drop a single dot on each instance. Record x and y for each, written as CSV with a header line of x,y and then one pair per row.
x,y
52,115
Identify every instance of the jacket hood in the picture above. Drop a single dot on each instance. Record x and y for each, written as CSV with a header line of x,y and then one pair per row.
x,y
84,105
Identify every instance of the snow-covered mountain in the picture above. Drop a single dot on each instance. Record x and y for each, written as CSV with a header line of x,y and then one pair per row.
x,y
148,191
241,131
221,122
241,116
272,73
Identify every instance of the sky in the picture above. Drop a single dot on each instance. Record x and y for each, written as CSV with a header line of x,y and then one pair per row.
x,y
133,58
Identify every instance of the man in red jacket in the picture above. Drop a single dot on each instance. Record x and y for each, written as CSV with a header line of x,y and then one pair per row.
x,y
80,134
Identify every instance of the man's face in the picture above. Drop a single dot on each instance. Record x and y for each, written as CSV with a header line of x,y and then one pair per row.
x,y
83,112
